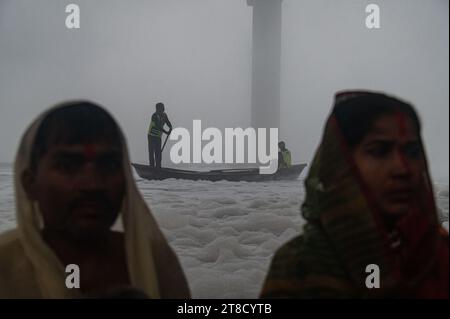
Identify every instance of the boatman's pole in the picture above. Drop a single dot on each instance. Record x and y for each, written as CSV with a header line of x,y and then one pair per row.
x,y
167,136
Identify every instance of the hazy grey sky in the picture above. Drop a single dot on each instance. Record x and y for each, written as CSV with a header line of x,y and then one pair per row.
x,y
195,55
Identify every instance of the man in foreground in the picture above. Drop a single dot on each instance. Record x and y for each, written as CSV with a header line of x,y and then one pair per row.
x,y
72,182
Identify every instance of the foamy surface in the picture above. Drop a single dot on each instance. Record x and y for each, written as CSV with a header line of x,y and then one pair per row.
x,y
224,233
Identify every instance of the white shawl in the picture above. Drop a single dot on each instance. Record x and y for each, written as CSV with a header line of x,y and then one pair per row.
x,y
28,263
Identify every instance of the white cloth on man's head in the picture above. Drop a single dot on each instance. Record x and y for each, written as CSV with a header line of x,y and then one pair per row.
x,y
30,269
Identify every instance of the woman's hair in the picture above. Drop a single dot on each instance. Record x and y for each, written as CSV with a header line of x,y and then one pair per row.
x,y
356,112
73,123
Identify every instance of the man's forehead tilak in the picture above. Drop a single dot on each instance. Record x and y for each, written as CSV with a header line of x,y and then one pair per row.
x,y
89,151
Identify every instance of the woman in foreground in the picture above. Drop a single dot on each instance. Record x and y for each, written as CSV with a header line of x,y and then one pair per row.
x,y
372,227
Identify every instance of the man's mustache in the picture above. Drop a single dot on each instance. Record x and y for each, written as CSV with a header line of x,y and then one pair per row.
x,y
91,198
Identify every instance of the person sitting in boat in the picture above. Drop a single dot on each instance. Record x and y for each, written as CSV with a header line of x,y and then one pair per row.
x,y
73,181
155,130
284,156
372,226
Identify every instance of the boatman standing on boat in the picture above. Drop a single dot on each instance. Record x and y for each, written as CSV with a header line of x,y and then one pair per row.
x,y
284,156
155,130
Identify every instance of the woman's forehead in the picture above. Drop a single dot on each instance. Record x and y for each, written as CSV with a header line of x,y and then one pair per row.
x,y
398,125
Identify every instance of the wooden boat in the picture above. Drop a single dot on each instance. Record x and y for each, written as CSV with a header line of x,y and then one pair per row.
x,y
235,175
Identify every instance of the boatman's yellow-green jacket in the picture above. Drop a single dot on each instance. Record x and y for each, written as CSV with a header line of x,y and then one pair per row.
x,y
157,124
285,158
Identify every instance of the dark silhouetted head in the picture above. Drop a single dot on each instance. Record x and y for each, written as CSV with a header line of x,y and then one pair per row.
x,y
160,107
76,170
